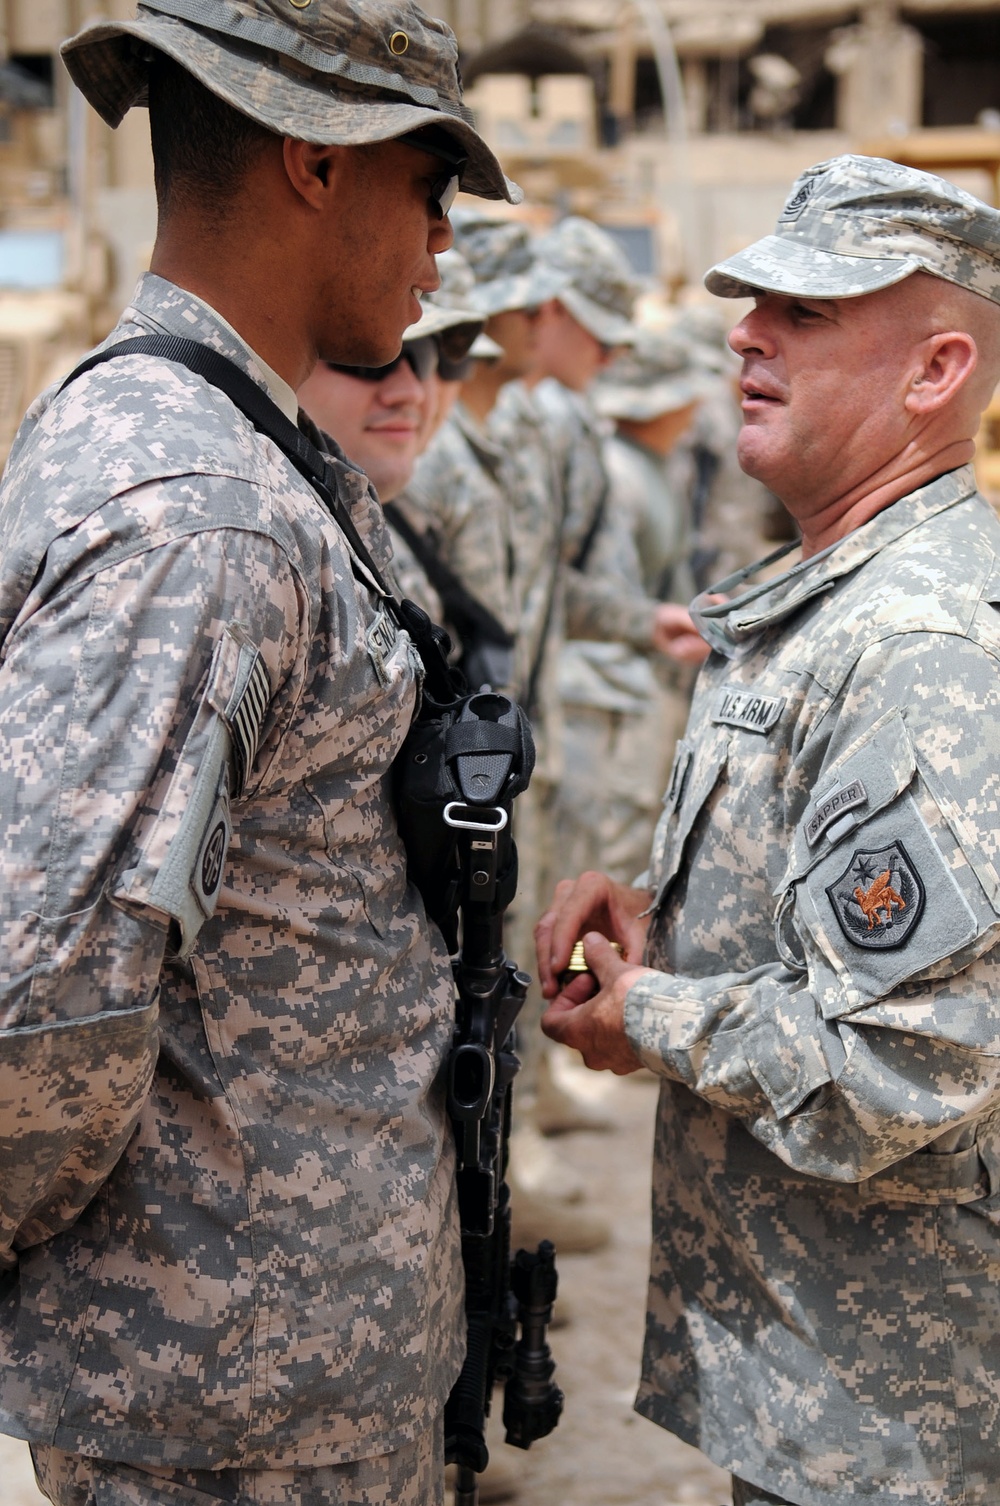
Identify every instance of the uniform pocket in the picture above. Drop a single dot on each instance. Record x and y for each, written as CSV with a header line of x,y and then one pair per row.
x,y
694,776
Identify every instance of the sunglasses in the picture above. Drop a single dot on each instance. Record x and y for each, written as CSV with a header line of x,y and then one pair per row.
x,y
421,355
439,144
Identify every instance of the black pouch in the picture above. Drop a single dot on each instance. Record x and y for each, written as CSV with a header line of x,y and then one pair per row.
x,y
463,761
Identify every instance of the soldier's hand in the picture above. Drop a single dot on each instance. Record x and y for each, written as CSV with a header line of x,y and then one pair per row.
x,y
675,635
595,1026
593,902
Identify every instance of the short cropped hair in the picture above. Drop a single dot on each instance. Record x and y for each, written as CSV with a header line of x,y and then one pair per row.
x,y
202,146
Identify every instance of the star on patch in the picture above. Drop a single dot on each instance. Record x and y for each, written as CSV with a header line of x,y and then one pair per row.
x,y
879,898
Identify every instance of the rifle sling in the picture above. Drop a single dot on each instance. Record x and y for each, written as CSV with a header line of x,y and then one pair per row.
x,y
461,608
263,413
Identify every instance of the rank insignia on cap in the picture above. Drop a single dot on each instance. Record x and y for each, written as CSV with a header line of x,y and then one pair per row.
x,y
879,898
798,201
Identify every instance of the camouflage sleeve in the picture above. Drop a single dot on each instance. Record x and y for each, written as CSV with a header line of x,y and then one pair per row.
x,y
873,1031
601,606
132,694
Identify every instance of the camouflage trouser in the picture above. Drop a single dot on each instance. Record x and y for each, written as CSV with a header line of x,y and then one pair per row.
x,y
745,1494
411,1476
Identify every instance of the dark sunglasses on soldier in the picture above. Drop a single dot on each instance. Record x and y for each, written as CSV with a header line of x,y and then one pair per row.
x,y
439,144
421,356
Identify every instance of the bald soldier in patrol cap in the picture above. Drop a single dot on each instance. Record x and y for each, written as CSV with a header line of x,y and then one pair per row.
x,y
819,922
229,1241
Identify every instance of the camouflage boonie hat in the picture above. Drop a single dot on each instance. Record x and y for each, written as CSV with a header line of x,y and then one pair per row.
x,y
659,374
599,287
449,305
330,72
502,255
853,225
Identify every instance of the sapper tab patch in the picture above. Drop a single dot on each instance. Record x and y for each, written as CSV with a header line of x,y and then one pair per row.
x,y
747,710
836,804
879,898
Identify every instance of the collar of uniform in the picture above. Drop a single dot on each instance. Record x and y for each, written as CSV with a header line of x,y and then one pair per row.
x,y
165,306
488,453
747,614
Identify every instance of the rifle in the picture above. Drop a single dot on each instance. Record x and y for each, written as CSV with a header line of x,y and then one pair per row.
x,y
456,821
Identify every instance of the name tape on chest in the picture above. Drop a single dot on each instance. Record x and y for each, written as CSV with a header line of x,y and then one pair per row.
x,y
381,641
747,709
835,805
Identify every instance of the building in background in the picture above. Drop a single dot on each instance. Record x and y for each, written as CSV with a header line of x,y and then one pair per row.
x,y
676,123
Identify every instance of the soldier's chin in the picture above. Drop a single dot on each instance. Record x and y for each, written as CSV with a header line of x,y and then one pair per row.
x,y
752,453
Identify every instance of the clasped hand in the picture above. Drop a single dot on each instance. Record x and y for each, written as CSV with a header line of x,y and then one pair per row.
x,y
589,1012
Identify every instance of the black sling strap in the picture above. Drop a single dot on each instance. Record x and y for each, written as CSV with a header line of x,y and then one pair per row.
x,y
465,611
263,413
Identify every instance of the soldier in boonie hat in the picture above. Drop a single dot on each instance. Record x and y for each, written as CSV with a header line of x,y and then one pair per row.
x,y
598,286
853,225
450,312
503,255
332,74
658,374
230,736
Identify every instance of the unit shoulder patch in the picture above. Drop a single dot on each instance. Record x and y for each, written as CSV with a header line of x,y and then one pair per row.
x,y
879,898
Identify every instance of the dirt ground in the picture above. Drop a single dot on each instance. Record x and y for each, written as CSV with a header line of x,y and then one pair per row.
x,y
602,1453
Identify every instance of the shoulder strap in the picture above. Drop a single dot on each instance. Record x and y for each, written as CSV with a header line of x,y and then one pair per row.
x,y
263,413
583,553
463,611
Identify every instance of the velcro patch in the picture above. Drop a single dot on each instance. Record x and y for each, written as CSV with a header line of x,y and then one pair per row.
x,y
834,805
381,640
245,716
747,710
879,898
798,200
206,880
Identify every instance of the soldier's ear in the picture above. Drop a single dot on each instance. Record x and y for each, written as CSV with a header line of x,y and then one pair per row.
x,y
311,169
945,363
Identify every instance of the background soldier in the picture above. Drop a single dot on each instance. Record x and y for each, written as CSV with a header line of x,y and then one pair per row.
x,y
824,1311
229,1225
384,417
623,711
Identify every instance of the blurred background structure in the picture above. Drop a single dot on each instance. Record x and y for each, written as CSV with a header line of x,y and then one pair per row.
x,y
677,124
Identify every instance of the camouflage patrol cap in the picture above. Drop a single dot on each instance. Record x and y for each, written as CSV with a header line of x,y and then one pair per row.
x,y
853,225
659,374
504,262
331,72
598,286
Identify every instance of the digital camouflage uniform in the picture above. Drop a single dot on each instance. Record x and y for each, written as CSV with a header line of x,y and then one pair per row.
x,y
228,1231
824,1308
227,1177
458,488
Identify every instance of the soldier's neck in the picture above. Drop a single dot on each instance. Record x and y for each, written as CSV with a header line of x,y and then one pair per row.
x,y
236,276
480,392
825,522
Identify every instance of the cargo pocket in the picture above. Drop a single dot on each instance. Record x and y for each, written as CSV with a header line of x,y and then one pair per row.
x,y
692,780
